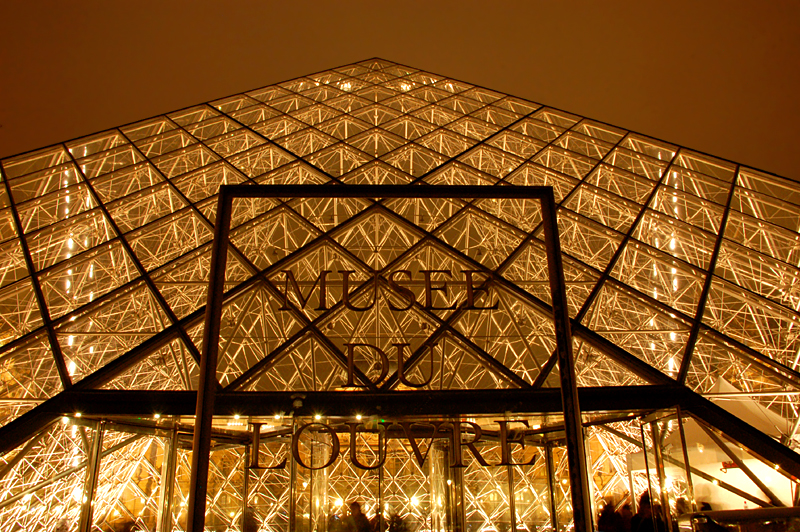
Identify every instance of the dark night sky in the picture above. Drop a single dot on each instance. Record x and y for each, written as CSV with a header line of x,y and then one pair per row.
x,y
718,76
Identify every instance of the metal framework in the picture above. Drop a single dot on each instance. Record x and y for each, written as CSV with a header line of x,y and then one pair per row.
x,y
211,338
680,271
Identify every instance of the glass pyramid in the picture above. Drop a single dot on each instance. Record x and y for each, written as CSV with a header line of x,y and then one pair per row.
x,y
681,273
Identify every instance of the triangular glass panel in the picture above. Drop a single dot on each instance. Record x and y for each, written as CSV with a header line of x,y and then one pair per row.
x,y
103,331
184,283
377,238
272,236
251,327
376,173
305,365
29,376
528,269
480,237
629,321
171,367
594,368
516,334
425,213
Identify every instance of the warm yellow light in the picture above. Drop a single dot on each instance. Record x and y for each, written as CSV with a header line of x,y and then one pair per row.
x,y
358,417
317,417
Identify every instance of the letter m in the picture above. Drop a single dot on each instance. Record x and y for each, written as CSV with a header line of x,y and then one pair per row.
x,y
291,282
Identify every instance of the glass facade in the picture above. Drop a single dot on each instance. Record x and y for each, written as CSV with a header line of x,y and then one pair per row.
x,y
415,336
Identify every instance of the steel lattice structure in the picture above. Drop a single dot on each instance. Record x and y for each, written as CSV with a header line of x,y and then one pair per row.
x,y
681,276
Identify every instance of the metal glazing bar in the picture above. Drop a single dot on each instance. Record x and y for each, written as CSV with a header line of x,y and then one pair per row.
x,y
573,428
660,472
628,236
58,355
647,467
512,496
741,465
168,471
204,412
551,483
90,483
689,483
386,191
162,303
246,515
701,303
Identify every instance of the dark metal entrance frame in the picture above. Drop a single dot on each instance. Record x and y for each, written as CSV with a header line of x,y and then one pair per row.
x,y
207,388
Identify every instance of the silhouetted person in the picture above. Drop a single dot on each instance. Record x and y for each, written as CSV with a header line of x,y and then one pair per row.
x,y
645,520
609,520
625,516
360,523
682,506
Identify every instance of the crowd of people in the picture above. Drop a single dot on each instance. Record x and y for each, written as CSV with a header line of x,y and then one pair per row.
x,y
357,521
648,517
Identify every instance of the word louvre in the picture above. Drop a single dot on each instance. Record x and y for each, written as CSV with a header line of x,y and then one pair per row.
x,y
452,432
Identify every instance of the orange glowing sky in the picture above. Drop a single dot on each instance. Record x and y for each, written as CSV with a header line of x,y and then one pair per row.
x,y
721,77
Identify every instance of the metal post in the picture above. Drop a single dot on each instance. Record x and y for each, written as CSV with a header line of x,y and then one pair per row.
x,y
204,412
168,482
573,426
665,513
631,491
379,510
90,484
551,476
647,471
246,487
458,483
512,503
292,490
686,466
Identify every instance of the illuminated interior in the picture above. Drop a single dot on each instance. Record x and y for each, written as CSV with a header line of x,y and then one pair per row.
x,y
681,274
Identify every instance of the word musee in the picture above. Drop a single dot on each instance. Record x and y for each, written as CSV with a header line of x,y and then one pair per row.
x,y
433,282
